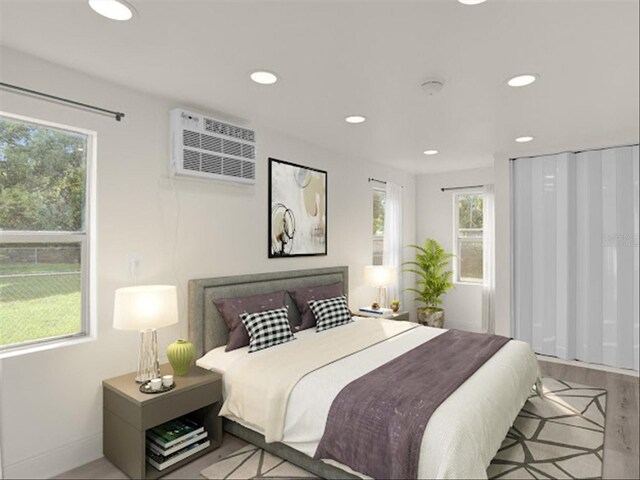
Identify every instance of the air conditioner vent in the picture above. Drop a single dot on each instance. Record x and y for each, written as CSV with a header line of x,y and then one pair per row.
x,y
211,143
222,128
212,163
248,170
207,148
191,139
191,160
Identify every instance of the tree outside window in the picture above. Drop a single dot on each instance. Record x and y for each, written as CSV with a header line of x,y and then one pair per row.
x,y
43,227
469,237
378,225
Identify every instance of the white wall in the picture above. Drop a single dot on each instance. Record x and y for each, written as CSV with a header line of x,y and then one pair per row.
x,y
51,401
435,219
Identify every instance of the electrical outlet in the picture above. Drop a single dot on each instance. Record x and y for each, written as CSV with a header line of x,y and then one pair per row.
x,y
133,263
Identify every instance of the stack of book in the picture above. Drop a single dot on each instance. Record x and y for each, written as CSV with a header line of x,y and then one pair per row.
x,y
380,313
173,441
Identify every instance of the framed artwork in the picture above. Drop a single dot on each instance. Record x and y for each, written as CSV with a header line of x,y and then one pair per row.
x,y
297,210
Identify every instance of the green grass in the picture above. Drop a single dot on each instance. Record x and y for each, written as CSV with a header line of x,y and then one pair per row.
x,y
39,306
18,268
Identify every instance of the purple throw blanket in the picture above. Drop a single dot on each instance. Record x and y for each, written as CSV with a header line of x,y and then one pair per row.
x,y
376,423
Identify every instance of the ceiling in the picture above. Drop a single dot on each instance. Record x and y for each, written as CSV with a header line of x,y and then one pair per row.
x,y
337,58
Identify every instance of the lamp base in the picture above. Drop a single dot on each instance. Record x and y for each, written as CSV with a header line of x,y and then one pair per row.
x,y
382,297
148,364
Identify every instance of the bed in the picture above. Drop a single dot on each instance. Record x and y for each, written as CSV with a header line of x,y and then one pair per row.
x,y
461,438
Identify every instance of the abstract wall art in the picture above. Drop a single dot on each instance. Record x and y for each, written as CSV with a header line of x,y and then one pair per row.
x,y
297,210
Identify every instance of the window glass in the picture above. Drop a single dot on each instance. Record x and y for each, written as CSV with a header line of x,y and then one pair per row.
x,y
378,225
469,236
43,192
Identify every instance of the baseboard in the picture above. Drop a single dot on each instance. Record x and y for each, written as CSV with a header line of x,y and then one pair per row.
x,y
593,366
57,461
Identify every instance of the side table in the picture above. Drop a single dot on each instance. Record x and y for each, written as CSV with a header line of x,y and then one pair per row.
x,y
129,413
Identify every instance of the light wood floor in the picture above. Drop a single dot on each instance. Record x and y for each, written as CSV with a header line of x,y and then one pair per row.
x,y
622,428
621,444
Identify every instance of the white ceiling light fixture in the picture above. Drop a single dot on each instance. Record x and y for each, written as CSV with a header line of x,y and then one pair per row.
x,y
264,77
431,152
471,2
522,80
113,9
432,87
355,119
524,139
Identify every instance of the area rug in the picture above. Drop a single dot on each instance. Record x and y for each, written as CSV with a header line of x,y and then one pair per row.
x,y
560,436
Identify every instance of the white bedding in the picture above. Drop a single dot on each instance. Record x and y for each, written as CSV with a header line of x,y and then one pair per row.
x,y
463,434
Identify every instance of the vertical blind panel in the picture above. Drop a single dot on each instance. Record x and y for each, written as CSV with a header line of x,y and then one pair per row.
x,y
635,161
522,253
576,255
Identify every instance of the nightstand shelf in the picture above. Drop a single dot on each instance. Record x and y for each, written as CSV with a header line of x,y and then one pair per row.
x,y
128,414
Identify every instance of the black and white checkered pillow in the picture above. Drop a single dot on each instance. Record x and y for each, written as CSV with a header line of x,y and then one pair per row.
x,y
331,312
267,329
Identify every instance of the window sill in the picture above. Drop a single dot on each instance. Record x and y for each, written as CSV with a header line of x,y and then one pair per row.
x,y
476,284
45,345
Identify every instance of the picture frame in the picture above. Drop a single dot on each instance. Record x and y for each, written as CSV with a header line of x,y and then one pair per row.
x,y
297,210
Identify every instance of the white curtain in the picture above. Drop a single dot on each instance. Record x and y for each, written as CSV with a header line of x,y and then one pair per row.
x,y
488,260
392,250
1,420
576,255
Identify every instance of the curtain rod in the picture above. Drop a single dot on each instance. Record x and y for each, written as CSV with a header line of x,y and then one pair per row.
x,y
380,181
118,115
444,189
595,149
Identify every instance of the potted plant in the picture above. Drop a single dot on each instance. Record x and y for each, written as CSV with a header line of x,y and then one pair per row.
x,y
395,305
433,279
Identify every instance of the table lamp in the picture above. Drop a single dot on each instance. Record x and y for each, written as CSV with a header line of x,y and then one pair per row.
x,y
146,308
381,276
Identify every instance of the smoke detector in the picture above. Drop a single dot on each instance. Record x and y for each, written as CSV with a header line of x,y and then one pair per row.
x,y
432,87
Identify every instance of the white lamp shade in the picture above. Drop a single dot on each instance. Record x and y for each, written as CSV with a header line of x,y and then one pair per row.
x,y
145,307
380,275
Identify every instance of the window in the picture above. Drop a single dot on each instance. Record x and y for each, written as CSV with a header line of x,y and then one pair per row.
x,y
378,225
468,237
44,232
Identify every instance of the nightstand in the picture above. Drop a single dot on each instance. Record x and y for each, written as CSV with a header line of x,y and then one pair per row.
x,y
394,316
128,414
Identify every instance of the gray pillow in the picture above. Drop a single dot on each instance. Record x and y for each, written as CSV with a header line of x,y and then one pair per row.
x,y
302,295
232,308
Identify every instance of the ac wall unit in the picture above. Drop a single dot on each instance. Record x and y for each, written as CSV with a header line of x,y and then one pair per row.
x,y
207,148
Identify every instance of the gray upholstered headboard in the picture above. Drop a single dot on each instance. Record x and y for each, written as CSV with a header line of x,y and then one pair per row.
x,y
207,328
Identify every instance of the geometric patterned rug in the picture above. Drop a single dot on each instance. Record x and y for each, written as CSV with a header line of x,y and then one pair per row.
x,y
560,436
253,462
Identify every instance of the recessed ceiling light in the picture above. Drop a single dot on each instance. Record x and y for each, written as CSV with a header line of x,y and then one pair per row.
x,y
430,152
472,2
113,9
522,80
355,119
524,139
264,77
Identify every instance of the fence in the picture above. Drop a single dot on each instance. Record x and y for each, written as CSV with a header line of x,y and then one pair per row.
x,y
20,255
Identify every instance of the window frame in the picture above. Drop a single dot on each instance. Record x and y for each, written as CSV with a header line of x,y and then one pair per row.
x,y
375,190
86,239
456,237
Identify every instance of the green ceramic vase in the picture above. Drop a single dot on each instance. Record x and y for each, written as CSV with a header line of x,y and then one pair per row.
x,y
180,354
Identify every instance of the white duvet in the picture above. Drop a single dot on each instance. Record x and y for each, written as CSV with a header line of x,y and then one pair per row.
x,y
463,434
